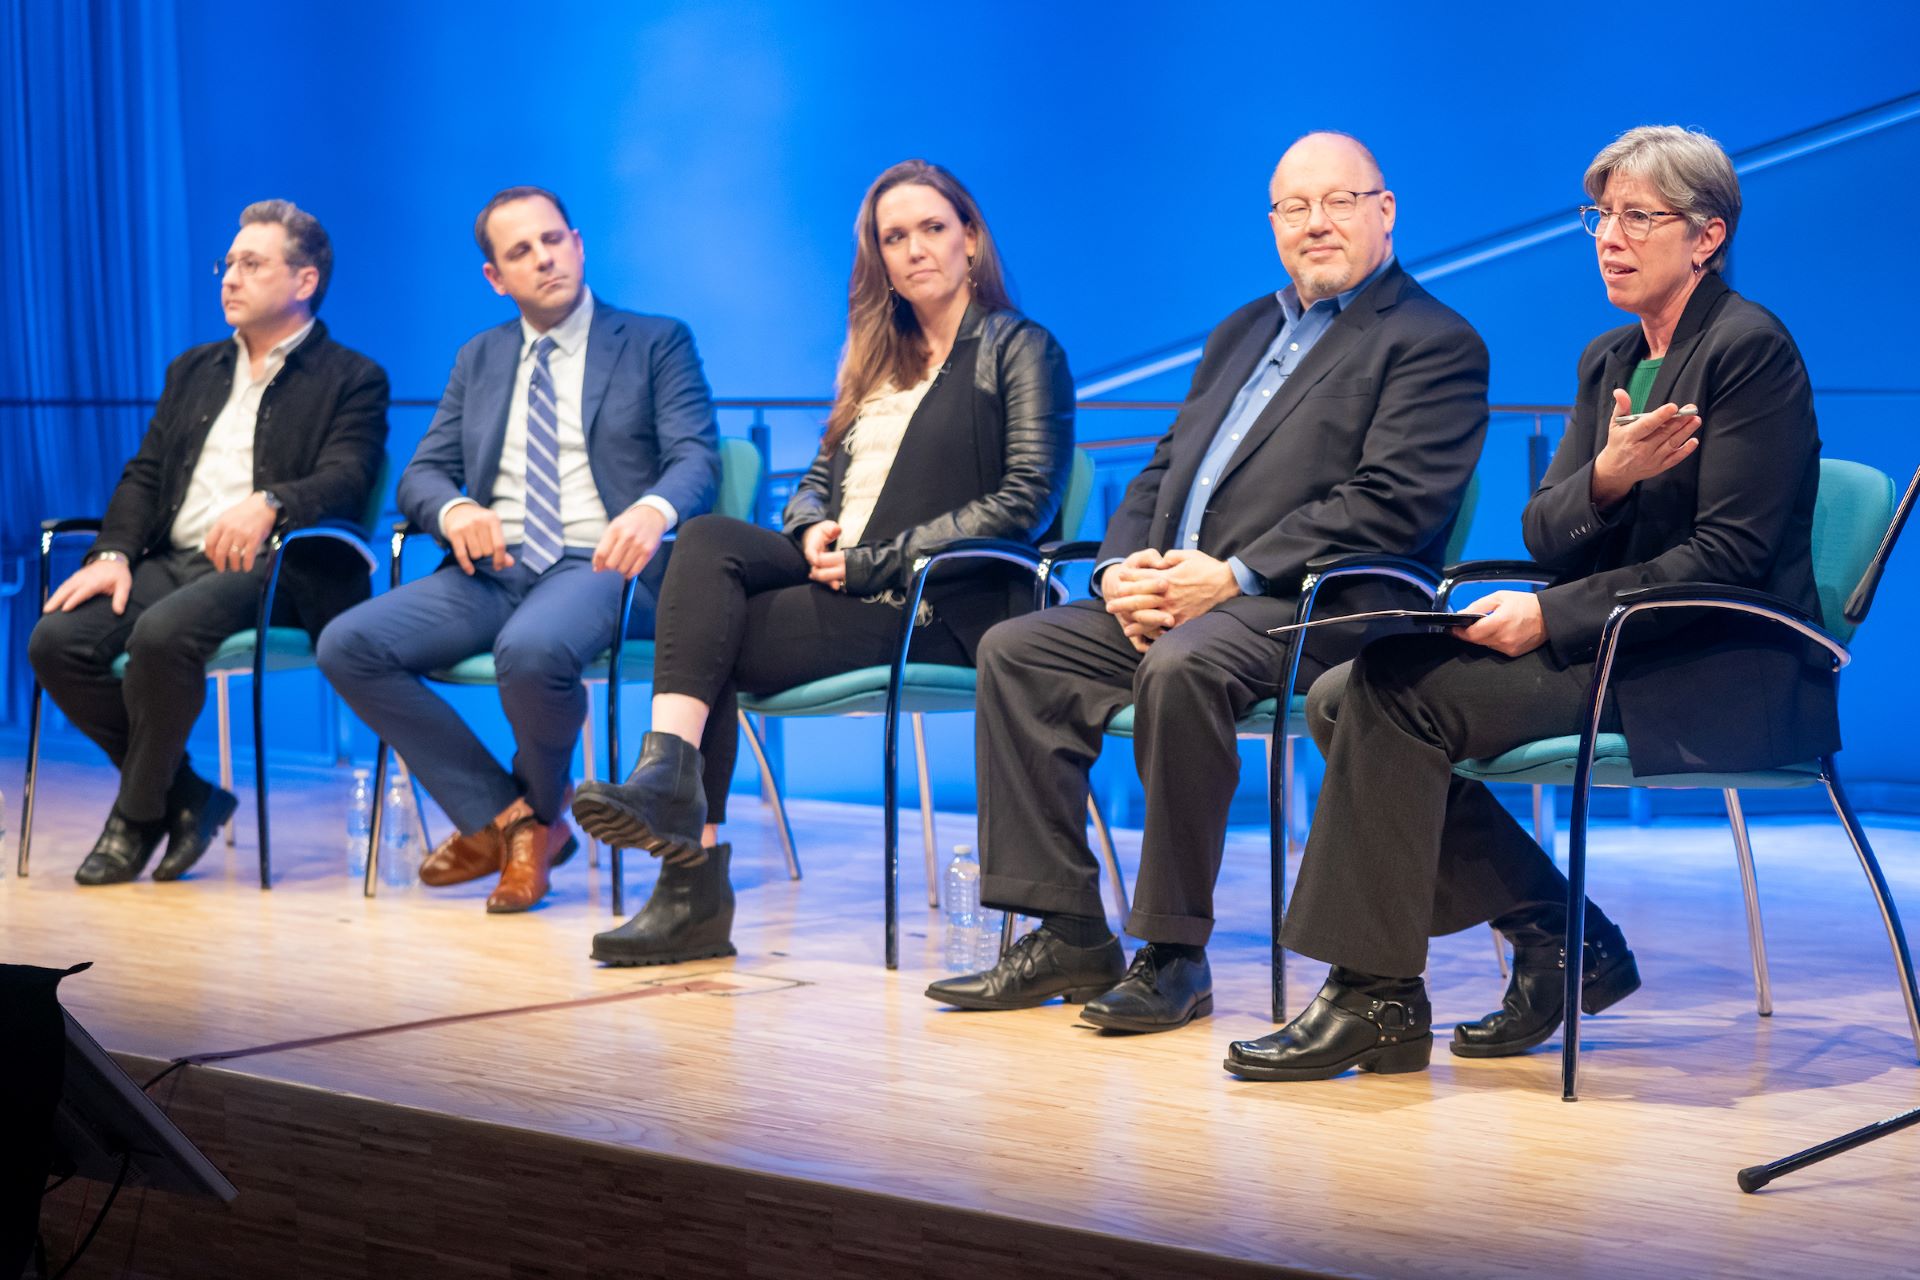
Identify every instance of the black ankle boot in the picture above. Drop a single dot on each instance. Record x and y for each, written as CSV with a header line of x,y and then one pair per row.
x,y
660,807
1341,1030
1536,1000
688,917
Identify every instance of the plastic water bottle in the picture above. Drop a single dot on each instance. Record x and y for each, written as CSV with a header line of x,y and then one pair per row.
x,y
963,909
359,823
400,853
986,938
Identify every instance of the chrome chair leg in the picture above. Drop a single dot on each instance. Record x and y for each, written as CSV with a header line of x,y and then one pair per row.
x,y
1544,833
772,789
223,706
928,836
1288,763
380,753
1107,855
586,755
1500,951
33,776
1750,887
1889,915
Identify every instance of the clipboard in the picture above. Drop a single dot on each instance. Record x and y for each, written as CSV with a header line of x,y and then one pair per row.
x,y
1427,617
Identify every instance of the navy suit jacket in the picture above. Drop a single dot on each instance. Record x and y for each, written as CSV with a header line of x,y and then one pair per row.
x,y
644,403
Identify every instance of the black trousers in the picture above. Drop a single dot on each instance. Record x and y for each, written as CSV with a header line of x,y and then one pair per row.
x,y
1049,682
738,613
178,613
1401,850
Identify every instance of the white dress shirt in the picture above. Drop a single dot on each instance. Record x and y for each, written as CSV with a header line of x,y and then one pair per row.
x,y
583,515
223,476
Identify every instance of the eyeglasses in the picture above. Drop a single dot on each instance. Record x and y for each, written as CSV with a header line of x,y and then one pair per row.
x,y
1337,205
1638,224
246,266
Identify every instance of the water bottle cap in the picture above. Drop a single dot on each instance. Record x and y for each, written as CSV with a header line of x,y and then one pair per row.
x,y
962,850
363,773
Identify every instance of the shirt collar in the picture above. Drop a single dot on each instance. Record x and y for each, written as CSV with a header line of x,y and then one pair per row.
x,y
1290,297
569,335
279,349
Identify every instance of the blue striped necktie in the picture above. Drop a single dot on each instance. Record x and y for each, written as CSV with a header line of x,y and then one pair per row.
x,y
543,541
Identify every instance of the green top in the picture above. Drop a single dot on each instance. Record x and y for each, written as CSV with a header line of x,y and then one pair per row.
x,y
1640,385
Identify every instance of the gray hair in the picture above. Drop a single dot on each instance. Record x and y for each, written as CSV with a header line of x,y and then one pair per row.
x,y
307,243
1689,169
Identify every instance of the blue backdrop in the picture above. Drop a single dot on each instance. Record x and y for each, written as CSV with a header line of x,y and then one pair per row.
x,y
713,155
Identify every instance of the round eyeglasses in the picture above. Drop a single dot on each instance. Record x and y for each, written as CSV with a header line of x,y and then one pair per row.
x,y
1337,205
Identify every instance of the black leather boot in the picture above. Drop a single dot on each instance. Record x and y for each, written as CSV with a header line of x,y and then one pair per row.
x,y
1341,1030
1536,1000
660,807
688,917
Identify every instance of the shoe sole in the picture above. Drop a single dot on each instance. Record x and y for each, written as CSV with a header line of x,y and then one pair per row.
x,y
1598,996
1390,1060
1072,995
1113,1022
231,807
617,825
675,957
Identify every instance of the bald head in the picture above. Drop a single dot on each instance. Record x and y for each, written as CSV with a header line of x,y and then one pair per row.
x,y
1327,254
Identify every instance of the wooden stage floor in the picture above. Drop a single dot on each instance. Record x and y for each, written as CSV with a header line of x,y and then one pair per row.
x,y
800,1111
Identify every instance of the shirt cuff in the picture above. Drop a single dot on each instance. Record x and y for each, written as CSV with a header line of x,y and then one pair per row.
x,y
1093,580
1251,583
661,505
450,504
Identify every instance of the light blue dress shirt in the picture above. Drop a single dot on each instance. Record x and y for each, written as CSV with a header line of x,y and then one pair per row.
x,y
1299,331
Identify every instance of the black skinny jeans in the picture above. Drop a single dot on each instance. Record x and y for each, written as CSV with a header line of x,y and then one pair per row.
x,y
739,613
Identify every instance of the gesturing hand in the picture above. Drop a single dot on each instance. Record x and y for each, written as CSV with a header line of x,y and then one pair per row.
x,y
1513,624
473,533
1642,448
826,567
630,541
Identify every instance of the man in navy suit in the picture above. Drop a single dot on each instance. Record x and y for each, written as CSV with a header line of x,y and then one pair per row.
x,y
568,442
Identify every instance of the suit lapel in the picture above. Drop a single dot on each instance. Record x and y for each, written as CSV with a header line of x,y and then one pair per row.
x,y
1686,338
1189,448
1347,332
605,337
487,415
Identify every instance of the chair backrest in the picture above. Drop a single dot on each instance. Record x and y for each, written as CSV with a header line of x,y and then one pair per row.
x,y
377,499
740,468
1073,503
1463,523
1850,517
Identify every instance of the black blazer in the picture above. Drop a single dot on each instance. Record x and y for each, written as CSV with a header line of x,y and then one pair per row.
x,y
319,437
1367,447
1713,692
986,455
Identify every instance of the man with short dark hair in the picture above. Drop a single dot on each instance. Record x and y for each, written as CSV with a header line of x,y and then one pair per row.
x,y
1343,414
275,428
568,442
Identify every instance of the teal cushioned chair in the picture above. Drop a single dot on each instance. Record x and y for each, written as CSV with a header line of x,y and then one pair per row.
x,y
1854,529
916,689
241,654
1258,722
740,471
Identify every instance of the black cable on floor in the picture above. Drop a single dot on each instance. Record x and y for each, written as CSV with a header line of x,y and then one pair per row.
x,y
126,1162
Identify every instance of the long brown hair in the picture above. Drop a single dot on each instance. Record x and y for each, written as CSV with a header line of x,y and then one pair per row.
x,y
884,342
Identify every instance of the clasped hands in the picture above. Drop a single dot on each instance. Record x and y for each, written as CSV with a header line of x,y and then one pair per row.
x,y
1151,593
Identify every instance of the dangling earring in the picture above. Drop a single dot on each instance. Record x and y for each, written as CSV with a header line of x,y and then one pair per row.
x,y
971,282
1698,267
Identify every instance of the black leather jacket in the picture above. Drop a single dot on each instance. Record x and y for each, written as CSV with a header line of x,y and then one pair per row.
x,y
987,455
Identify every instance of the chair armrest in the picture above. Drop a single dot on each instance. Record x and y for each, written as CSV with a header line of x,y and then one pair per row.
x,y
1712,595
1455,575
1320,569
1068,552
336,530
80,524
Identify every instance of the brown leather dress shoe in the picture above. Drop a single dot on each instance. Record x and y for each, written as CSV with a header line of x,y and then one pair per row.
x,y
460,858
532,851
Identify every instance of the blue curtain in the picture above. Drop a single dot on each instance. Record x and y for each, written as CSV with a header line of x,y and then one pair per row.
x,y
94,296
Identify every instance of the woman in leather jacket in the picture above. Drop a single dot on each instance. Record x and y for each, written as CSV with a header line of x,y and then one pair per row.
x,y
952,418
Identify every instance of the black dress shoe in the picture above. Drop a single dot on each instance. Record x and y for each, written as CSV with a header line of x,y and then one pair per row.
x,y
688,917
121,852
661,807
1160,992
198,811
1536,1000
1341,1030
1033,971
